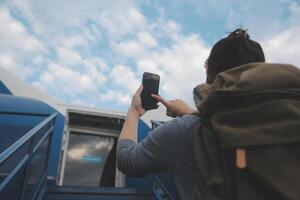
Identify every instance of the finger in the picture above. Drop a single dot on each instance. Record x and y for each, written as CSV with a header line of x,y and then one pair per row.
x,y
157,97
139,91
170,114
160,99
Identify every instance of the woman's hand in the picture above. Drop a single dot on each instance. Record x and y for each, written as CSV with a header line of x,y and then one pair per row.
x,y
175,107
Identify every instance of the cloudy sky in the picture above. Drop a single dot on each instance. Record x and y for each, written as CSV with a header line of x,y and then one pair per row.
x,y
94,52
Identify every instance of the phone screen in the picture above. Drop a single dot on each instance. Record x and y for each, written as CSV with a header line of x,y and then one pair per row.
x,y
150,86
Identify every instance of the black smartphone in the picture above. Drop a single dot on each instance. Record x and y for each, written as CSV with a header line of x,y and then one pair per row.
x,y
150,86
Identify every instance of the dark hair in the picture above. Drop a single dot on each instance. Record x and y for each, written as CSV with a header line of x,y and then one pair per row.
x,y
234,50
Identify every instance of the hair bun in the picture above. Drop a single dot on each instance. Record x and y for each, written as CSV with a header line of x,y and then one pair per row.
x,y
239,33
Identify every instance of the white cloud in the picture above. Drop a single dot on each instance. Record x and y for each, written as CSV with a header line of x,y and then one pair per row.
x,y
99,49
147,39
56,20
124,78
164,28
95,63
180,66
68,30
14,36
39,60
116,96
284,47
18,47
68,56
82,102
127,21
69,80
72,59
71,84
294,9
131,48
75,41
57,14
12,64
147,64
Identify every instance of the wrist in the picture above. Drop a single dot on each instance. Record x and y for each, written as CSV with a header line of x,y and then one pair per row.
x,y
133,112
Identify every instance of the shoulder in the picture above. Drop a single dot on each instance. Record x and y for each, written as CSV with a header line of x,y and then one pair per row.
x,y
180,123
187,121
177,127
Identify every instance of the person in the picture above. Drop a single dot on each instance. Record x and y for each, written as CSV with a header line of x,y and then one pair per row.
x,y
170,146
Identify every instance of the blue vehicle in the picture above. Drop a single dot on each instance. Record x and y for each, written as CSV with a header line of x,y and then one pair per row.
x,y
53,151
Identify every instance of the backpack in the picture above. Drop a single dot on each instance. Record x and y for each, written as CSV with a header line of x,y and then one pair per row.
x,y
248,147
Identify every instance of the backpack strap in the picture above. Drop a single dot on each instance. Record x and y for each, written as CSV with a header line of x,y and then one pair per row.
x,y
241,162
207,156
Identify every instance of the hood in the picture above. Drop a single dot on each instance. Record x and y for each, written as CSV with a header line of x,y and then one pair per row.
x,y
250,77
258,98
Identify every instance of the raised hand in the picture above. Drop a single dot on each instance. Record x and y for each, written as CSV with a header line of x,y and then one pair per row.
x,y
175,107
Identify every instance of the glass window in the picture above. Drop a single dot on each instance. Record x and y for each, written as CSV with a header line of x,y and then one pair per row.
x,y
86,158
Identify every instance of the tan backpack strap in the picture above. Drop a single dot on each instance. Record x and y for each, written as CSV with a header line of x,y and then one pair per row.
x,y
241,162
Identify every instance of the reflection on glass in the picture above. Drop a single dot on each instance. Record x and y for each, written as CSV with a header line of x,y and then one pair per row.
x,y
86,158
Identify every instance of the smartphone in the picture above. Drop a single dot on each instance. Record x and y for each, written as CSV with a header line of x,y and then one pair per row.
x,y
150,86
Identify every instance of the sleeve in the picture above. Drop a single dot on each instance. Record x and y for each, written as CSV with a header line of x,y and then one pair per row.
x,y
154,153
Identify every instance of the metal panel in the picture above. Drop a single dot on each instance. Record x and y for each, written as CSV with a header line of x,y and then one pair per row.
x,y
13,191
12,104
32,150
37,168
27,109
56,143
97,193
4,89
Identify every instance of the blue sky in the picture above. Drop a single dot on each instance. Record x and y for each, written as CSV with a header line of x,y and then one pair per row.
x,y
94,52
